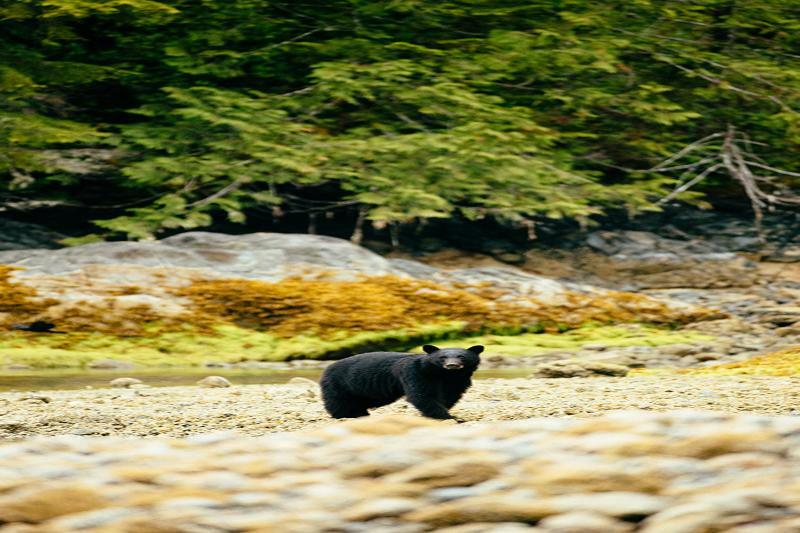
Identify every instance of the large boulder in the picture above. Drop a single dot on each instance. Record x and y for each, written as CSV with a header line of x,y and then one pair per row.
x,y
266,256
97,271
644,260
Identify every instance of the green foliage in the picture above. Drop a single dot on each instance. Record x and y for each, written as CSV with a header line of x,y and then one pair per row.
x,y
399,110
225,343
228,343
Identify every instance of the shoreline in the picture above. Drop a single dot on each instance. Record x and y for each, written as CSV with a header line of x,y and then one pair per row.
x,y
262,409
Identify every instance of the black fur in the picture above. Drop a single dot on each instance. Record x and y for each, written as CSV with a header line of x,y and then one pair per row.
x,y
432,383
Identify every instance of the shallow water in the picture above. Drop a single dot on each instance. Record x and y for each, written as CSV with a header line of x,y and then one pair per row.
x,y
36,380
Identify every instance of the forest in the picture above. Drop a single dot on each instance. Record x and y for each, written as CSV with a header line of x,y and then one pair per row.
x,y
140,118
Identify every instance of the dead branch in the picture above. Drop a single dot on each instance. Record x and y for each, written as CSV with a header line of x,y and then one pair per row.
x,y
734,154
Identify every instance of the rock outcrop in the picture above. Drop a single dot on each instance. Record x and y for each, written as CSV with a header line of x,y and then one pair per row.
x,y
284,286
643,260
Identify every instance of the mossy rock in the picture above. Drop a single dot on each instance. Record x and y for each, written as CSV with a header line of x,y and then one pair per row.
x,y
782,363
239,319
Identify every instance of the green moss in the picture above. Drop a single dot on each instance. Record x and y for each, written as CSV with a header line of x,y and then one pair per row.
x,y
233,344
611,336
226,344
232,320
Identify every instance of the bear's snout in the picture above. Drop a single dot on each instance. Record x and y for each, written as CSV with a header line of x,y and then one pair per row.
x,y
453,364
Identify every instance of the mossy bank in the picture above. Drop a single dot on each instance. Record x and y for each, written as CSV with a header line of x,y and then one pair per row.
x,y
183,317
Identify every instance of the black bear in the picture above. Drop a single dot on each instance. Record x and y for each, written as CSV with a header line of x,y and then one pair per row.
x,y
432,383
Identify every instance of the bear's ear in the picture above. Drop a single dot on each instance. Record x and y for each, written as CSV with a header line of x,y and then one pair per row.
x,y
476,349
430,348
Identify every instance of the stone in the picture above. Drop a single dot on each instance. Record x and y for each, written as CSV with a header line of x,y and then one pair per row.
x,y
644,260
214,382
389,425
724,441
556,475
583,522
595,347
124,383
589,477
43,502
620,504
495,508
19,366
380,508
571,368
792,330
101,518
267,256
689,517
679,350
37,398
216,364
486,527
778,525
83,431
708,356
110,364
460,471
297,380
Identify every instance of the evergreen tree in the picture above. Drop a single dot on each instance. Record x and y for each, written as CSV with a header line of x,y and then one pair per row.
x,y
400,111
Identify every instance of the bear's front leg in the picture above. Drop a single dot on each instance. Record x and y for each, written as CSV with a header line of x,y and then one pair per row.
x,y
427,399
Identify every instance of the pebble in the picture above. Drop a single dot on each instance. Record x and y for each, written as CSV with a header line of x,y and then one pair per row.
x,y
297,380
110,364
700,471
125,383
37,398
583,522
214,382
260,409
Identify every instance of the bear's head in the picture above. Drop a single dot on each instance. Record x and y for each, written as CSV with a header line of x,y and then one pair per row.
x,y
454,358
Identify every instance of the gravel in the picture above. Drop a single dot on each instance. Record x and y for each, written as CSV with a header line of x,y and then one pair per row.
x,y
261,409
682,471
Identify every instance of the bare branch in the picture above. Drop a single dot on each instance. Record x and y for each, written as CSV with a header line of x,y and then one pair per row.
x,y
686,149
232,186
735,155
689,184
773,169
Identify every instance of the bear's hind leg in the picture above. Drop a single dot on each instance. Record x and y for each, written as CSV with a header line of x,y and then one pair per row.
x,y
341,405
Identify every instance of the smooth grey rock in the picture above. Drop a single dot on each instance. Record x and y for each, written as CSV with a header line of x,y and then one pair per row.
x,y
646,260
268,256
214,381
571,368
110,364
124,383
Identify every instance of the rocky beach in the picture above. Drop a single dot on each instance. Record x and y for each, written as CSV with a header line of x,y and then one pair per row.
x,y
140,411
667,403
682,471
